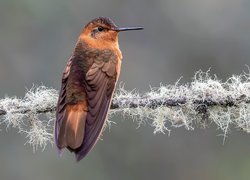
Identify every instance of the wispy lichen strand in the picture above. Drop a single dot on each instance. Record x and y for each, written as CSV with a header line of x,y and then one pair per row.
x,y
33,115
199,103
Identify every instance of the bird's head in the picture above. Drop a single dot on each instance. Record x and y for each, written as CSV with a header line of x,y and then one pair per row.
x,y
102,33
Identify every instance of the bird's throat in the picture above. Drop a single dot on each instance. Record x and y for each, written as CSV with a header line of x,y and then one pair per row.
x,y
101,45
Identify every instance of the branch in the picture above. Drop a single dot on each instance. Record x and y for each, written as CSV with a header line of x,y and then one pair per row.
x,y
203,101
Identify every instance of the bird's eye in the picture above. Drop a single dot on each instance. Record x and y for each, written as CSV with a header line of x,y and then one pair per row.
x,y
100,28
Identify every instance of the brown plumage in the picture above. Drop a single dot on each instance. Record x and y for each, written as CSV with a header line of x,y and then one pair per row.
x,y
87,87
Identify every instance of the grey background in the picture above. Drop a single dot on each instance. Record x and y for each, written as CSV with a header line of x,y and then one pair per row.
x,y
180,37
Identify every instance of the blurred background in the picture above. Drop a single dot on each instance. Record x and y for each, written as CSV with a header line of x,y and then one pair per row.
x,y
180,37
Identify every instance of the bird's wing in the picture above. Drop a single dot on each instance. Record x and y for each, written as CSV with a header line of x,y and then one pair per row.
x,y
79,121
100,84
67,119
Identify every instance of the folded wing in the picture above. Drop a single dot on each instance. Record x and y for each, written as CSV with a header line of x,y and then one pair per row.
x,y
80,120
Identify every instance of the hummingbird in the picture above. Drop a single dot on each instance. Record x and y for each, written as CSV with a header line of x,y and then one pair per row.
x,y
87,86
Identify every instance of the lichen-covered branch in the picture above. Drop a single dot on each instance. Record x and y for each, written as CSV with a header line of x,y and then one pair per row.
x,y
203,101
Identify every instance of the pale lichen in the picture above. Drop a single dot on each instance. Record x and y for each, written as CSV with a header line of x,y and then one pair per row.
x,y
199,103
31,115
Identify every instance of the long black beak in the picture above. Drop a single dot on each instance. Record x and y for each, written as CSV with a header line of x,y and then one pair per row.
x,y
128,28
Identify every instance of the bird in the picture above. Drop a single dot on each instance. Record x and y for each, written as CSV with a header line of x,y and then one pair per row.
x,y
87,87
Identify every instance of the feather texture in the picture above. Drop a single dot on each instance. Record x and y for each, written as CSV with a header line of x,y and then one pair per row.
x,y
87,87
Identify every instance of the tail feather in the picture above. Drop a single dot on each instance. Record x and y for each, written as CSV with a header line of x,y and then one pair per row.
x,y
71,131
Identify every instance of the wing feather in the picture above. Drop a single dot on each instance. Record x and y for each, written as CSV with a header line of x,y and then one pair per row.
x,y
99,92
79,121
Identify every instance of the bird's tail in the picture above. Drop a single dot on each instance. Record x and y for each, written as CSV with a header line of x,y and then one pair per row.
x,y
71,127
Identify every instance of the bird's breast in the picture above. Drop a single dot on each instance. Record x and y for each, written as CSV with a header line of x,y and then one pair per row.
x,y
86,59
